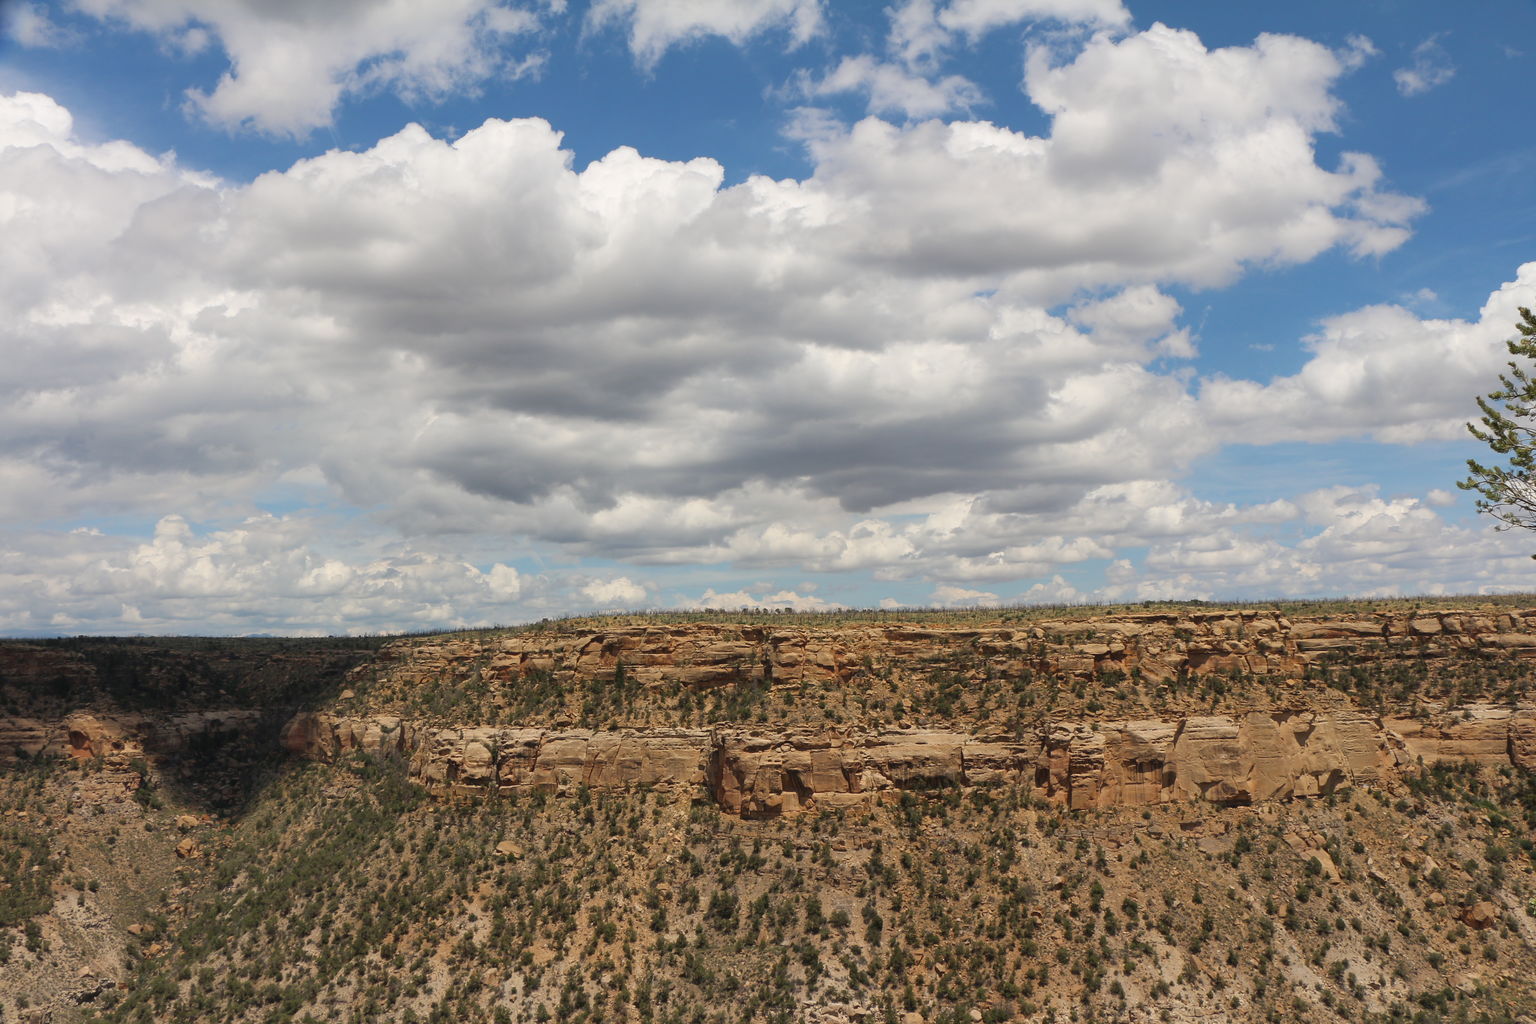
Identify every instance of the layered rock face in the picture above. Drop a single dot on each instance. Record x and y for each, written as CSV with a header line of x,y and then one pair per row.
x,y
484,757
1491,733
1220,759
116,736
1154,646
1297,739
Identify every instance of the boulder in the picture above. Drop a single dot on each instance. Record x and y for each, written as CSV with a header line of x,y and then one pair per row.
x,y
1481,915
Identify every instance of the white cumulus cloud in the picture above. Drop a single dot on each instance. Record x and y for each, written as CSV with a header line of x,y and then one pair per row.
x,y
950,596
938,356
264,574
975,17
1382,372
655,26
894,89
620,592
291,65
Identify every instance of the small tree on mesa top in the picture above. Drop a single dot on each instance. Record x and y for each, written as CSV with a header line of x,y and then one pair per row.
x,y
1508,494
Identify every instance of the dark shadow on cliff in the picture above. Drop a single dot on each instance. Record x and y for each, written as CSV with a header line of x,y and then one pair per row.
x,y
259,682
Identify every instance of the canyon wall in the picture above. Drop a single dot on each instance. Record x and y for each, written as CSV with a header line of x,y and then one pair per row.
x,y
1153,645
1220,759
1158,745
117,736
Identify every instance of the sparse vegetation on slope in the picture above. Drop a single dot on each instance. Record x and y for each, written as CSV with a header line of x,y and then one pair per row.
x,y
349,896
350,891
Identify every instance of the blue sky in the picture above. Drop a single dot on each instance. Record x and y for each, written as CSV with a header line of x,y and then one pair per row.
x,y
357,316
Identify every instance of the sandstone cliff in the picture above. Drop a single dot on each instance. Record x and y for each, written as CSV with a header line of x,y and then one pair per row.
x,y
1154,646
1084,712
1221,759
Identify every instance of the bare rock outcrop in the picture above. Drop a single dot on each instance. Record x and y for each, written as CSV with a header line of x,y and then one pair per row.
x,y
324,737
1490,733
1154,645
1481,915
757,775
1295,738
1079,765
1292,736
487,757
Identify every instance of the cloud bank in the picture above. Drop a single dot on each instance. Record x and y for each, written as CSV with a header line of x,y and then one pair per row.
x,y
948,354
